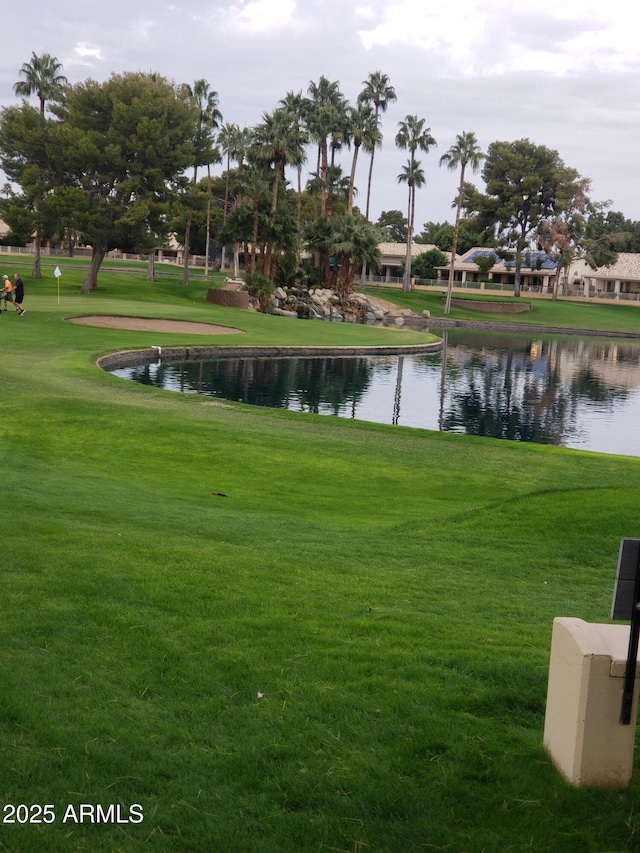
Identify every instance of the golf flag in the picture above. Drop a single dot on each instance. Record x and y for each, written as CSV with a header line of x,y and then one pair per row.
x,y
57,274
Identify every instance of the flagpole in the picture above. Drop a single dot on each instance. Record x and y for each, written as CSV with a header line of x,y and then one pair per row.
x,y
57,274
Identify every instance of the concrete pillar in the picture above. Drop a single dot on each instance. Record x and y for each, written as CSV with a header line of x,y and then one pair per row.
x,y
582,729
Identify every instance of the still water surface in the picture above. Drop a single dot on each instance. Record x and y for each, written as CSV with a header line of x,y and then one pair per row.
x,y
572,392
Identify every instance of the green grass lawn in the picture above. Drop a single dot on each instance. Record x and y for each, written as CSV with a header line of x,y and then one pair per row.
x,y
348,652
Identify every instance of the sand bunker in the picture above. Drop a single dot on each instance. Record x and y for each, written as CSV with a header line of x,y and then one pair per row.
x,y
148,324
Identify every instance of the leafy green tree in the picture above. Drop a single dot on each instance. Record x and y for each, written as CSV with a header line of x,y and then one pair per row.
x,y
122,146
42,77
426,265
561,235
525,183
394,226
607,234
379,92
485,262
469,235
429,231
464,152
24,157
414,136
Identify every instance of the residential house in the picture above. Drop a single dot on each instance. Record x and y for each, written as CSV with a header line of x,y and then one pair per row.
x,y
537,272
617,281
393,255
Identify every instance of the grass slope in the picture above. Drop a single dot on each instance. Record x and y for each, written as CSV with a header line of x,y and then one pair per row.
x,y
349,652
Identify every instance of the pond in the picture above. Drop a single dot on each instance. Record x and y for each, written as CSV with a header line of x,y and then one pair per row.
x,y
571,392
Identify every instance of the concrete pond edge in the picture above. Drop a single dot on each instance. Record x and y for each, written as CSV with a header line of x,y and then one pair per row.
x,y
150,355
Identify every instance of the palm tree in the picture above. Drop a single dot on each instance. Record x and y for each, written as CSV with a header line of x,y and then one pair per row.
x,y
239,142
227,138
296,105
412,135
465,151
353,242
205,102
379,92
323,112
365,132
277,142
412,175
42,78
334,187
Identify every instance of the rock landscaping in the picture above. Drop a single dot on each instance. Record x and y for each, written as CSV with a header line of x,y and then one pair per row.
x,y
324,304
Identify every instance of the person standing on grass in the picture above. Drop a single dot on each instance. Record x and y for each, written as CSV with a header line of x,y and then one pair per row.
x,y
18,293
7,293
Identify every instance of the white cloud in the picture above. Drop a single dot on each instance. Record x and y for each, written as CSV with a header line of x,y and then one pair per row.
x,y
85,53
260,16
471,36
366,12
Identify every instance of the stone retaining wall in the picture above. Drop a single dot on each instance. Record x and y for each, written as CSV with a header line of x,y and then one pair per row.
x,y
228,298
493,307
434,323
132,358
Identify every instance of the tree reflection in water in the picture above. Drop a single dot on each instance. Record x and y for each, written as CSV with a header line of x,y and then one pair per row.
x,y
513,388
319,385
546,390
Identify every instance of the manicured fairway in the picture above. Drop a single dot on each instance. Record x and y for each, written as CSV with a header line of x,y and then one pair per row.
x,y
347,651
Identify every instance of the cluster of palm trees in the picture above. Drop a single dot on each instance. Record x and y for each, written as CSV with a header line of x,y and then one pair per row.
x,y
325,221
261,214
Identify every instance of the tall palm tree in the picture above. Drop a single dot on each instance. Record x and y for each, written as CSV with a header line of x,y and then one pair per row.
x,y
242,145
277,142
205,102
364,132
296,105
41,77
379,92
323,111
414,136
413,176
227,138
464,152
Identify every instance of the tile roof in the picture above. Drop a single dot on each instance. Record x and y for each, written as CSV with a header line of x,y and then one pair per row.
x,y
626,268
399,250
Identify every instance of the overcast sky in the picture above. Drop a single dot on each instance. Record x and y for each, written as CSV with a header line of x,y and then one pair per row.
x,y
563,73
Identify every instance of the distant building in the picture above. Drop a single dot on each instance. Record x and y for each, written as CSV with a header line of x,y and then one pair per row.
x,y
393,255
538,269
620,280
